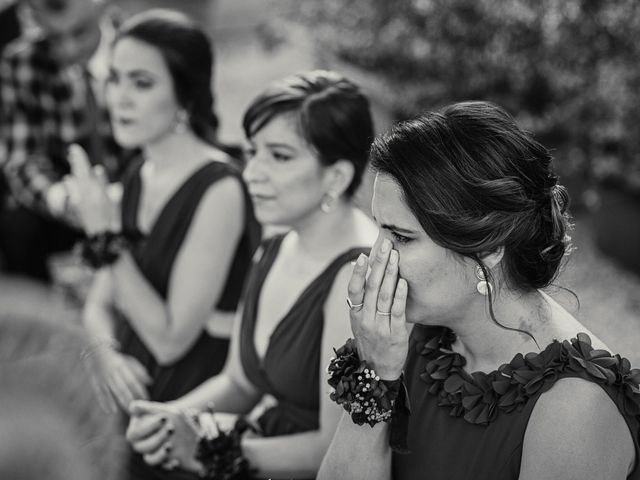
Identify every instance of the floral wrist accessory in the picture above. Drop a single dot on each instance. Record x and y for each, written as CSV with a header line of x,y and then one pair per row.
x,y
103,248
366,397
221,455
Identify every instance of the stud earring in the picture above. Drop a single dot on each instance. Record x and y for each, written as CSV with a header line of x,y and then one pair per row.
x,y
484,287
328,203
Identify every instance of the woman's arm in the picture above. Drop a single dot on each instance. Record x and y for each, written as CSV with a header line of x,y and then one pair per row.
x,y
126,377
197,278
300,455
579,432
97,315
357,453
230,391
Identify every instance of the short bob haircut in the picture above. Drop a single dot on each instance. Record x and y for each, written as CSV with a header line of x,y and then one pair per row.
x,y
333,115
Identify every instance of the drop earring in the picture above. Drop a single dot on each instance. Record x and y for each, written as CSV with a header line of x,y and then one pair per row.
x,y
484,287
181,121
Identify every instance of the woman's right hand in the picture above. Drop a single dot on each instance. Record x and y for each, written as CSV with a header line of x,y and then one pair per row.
x,y
379,324
127,378
163,435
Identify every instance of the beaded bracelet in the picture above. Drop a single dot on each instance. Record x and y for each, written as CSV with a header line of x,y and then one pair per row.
x,y
103,248
366,397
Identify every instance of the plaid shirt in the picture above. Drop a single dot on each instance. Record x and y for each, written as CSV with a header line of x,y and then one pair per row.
x,y
43,109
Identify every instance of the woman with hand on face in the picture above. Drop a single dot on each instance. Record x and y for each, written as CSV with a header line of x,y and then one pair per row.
x,y
472,226
174,272
309,137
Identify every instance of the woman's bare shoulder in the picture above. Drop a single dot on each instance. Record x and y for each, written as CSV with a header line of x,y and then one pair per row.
x,y
576,431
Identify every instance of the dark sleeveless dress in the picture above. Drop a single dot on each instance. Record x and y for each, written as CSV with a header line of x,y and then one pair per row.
x,y
155,254
290,368
471,426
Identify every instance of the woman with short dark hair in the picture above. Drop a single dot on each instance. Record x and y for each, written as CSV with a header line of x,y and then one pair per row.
x,y
309,136
502,382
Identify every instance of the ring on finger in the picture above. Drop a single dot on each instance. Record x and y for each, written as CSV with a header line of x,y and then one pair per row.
x,y
384,314
354,306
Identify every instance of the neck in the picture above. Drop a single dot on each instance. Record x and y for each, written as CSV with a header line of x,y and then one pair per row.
x,y
173,149
485,345
316,234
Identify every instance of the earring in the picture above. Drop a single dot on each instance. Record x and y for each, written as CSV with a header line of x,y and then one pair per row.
x,y
181,121
328,203
484,287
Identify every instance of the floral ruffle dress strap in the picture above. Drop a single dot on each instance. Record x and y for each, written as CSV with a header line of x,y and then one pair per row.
x,y
479,397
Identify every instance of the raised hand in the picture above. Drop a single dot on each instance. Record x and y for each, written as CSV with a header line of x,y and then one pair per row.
x,y
88,193
377,303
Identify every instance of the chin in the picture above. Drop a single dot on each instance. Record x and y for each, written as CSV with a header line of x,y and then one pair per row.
x,y
126,139
125,142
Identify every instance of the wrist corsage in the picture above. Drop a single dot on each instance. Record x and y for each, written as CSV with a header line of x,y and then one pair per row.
x,y
221,454
103,248
366,397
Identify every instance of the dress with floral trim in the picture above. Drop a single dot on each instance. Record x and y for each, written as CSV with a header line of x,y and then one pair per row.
x,y
471,425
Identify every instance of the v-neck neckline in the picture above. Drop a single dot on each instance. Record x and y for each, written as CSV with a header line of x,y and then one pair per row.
x,y
153,225
296,304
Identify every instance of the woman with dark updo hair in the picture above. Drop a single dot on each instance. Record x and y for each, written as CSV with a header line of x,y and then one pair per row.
x,y
501,381
163,309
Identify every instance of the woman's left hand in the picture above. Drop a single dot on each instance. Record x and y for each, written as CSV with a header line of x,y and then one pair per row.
x,y
163,435
88,193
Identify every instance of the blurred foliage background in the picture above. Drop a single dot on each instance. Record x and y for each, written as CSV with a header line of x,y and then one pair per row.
x,y
568,70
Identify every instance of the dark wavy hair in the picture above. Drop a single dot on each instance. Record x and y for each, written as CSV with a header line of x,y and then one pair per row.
x,y
333,115
188,53
477,182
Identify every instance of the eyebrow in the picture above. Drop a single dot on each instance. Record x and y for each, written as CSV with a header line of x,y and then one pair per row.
x,y
280,145
132,73
140,73
395,228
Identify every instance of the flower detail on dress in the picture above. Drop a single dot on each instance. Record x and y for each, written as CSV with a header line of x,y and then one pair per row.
x,y
480,397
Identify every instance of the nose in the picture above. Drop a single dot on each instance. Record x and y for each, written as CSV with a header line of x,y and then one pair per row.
x,y
118,96
255,170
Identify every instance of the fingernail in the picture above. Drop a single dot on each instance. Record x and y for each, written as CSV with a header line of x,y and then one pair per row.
x,y
393,257
361,260
386,245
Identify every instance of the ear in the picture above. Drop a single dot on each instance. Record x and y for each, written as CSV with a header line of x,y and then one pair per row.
x,y
338,177
492,259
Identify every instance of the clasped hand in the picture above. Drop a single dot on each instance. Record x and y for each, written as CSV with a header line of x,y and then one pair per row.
x,y
163,435
377,301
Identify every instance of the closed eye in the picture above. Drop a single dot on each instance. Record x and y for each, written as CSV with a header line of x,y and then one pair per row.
x,y
281,157
400,238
